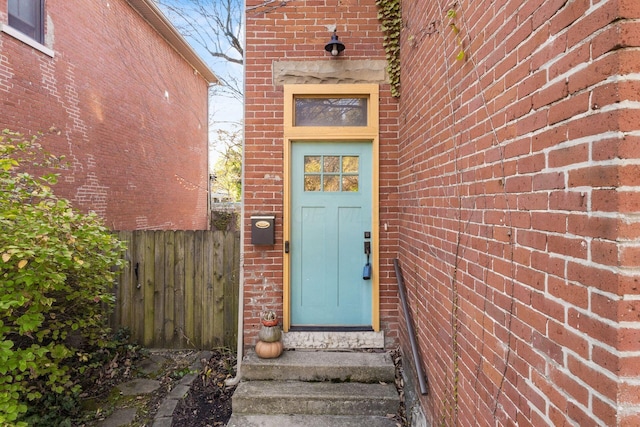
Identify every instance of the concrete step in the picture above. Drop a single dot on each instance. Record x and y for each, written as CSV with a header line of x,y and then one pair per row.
x,y
314,398
321,366
309,421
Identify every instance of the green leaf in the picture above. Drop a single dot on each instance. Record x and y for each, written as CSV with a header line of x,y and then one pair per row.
x,y
53,261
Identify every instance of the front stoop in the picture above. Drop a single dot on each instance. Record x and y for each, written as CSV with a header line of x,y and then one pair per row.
x,y
316,388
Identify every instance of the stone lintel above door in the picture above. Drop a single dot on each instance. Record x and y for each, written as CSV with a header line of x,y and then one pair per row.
x,y
330,72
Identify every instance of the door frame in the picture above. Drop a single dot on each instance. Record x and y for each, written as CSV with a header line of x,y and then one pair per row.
x,y
300,134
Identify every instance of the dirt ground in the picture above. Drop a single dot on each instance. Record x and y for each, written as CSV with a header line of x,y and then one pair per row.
x,y
208,403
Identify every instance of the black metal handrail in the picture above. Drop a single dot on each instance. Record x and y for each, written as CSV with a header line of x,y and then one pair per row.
x,y
417,360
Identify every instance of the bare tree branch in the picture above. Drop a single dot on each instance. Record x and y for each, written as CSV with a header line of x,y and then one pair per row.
x,y
268,5
215,26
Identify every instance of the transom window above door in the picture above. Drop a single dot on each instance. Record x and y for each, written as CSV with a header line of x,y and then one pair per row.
x,y
331,173
330,111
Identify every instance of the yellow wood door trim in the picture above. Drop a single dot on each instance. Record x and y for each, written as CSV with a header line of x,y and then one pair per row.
x,y
369,133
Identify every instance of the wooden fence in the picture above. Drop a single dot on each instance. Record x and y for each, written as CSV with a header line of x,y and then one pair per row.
x,y
179,288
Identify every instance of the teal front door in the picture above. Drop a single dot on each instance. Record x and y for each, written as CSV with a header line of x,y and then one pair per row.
x,y
330,223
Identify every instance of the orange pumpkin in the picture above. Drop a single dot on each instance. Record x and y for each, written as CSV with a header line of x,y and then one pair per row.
x,y
269,350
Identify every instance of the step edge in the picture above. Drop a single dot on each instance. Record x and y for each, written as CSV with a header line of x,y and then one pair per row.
x,y
324,374
264,420
266,389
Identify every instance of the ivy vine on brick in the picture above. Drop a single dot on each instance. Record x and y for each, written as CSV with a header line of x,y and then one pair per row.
x,y
390,15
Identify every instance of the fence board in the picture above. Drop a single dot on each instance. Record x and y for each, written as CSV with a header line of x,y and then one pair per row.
x,y
159,251
190,266
208,290
121,314
169,289
137,289
148,333
217,292
179,274
179,289
231,289
199,285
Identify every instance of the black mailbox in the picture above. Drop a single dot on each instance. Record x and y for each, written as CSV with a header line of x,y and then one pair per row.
x,y
263,230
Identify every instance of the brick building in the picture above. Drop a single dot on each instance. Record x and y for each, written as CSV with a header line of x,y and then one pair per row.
x,y
505,179
118,91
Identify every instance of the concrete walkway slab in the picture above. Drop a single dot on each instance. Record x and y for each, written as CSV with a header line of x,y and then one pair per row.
x,y
139,386
121,417
151,365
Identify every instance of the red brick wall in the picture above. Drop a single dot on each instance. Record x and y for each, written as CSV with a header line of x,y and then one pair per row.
x,y
297,30
127,111
518,197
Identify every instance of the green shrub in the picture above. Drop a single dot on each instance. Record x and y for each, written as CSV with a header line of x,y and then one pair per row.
x,y
56,269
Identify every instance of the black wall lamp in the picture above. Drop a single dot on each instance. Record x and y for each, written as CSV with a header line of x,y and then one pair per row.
x,y
334,46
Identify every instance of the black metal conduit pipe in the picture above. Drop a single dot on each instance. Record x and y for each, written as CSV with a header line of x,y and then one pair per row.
x,y
417,361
